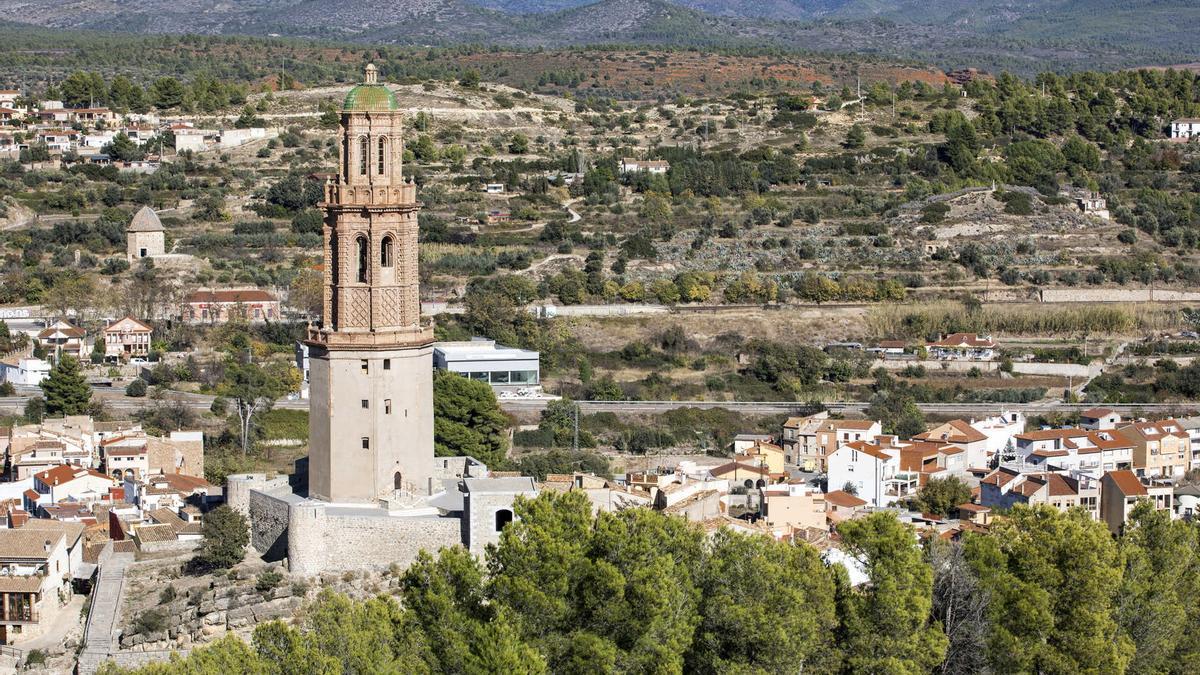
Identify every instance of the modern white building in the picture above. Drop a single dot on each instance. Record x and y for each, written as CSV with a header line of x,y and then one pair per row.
x,y
871,471
1186,127
28,372
486,361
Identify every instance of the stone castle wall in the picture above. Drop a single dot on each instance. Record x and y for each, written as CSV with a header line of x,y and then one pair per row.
x,y
269,523
337,539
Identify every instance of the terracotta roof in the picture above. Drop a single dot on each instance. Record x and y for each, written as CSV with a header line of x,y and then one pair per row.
x,y
1096,413
65,473
183,482
140,327
1127,482
64,328
153,533
1000,477
973,508
843,498
868,449
28,543
233,296
965,340
21,584
731,467
958,432
32,494
1050,434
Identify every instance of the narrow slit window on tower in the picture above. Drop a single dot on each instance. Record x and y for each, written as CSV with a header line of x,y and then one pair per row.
x,y
387,406
366,443
385,252
364,148
382,154
387,364
366,404
364,260
363,364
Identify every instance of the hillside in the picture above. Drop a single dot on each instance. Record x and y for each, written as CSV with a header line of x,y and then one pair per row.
x,y
1022,36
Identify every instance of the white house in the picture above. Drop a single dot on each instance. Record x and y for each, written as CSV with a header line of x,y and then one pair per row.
x,y
1000,430
1089,451
870,470
1099,418
1186,127
494,188
963,347
630,165
28,372
72,483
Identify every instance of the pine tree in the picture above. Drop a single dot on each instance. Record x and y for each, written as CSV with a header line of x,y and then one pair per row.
x,y
67,391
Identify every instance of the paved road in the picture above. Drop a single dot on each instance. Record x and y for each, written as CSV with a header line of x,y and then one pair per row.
x,y
116,402
773,407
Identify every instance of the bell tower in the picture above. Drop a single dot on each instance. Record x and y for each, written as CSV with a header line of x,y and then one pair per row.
x,y
371,359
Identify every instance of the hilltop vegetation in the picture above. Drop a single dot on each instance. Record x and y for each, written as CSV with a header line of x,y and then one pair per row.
x,y
638,591
1023,36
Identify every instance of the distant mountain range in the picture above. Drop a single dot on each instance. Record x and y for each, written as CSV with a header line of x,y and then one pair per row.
x,y
1023,35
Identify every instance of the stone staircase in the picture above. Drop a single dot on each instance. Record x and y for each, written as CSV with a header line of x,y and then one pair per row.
x,y
100,638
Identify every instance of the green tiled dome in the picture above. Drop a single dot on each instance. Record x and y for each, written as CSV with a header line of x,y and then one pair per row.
x,y
370,97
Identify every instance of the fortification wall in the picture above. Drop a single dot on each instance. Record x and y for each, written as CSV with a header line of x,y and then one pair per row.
x,y
337,539
269,515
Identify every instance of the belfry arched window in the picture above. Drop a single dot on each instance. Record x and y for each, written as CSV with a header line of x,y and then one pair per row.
x,y
364,259
385,252
382,154
364,150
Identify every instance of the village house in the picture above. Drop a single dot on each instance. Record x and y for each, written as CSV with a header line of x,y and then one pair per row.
x,y
871,472
743,442
841,505
793,505
36,563
1099,418
1076,450
66,483
764,454
136,454
28,372
742,474
1185,128
961,434
1160,449
1006,487
1122,490
833,434
1000,431
8,98
963,347
215,307
61,338
799,439
630,165
126,339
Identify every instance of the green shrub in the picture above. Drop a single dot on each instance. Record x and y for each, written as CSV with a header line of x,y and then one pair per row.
x,y
150,621
267,581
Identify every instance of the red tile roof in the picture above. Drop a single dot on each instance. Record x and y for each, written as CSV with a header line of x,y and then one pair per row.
x,y
843,498
1127,483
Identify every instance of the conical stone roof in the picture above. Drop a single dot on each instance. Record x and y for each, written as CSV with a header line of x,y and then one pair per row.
x,y
146,220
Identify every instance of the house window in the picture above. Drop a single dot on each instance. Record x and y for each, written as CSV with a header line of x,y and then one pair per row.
x,y
366,443
382,153
363,149
363,365
387,406
366,404
387,364
385,252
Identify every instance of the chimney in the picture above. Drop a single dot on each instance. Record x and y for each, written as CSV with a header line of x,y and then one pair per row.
x,y
46,546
